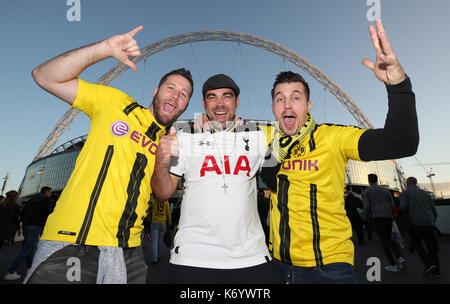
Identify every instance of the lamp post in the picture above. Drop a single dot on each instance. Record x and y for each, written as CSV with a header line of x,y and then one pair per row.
x,y
4,183
40,172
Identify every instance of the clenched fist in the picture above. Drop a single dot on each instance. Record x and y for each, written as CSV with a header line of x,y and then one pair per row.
x,y
167,148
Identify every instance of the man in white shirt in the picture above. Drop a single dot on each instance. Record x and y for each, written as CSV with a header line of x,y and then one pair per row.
x,y
220,238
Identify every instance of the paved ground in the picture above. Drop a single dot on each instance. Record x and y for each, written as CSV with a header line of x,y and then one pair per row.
x,y
411,275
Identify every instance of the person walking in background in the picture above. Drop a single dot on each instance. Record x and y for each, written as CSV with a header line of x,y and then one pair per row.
x,y
160,221
421,214
378,202
33,217
9,217
352,204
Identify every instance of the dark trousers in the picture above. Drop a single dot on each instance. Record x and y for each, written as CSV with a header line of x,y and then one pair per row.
x,y
267,273
358,228
56,269
31,237
425,234
383,228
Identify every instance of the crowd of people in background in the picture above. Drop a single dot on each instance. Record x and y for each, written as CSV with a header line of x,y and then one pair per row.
x,y
403,221
25,222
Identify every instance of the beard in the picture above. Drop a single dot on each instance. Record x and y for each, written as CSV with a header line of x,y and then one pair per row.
x,y
165,119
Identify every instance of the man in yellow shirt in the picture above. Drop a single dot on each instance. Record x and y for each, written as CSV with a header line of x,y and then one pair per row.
x,y
310,232
99,216
160,218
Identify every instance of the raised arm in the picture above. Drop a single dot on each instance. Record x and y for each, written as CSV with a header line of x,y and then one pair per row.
x,y
164,184
58,76
400,135
386,68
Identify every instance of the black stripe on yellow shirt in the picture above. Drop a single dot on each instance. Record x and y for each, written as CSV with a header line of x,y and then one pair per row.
x,y
129,215
315,224
152,131
285,231
128,109
94,196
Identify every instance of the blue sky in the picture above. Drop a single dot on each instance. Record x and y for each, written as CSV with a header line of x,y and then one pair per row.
x,y
332,35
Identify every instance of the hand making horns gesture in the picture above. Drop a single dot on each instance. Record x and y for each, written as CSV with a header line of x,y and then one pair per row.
x,y
387,68
123,46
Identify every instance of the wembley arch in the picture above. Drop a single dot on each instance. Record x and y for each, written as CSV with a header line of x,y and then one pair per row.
x,y
193,37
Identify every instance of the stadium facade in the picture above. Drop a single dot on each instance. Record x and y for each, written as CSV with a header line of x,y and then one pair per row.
x,y
55,169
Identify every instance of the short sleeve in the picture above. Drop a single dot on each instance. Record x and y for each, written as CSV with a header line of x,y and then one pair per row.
x,y
92,98
348,141
268,131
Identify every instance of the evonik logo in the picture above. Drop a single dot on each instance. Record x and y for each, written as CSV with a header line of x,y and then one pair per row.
x,y
302,165
121,129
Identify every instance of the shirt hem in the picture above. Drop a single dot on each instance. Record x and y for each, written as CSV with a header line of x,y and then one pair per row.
x,y
196,263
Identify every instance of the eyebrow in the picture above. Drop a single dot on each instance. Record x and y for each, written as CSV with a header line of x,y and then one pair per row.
x,y
174,84
294,91
223,94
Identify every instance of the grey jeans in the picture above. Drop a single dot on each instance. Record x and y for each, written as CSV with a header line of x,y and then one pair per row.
x,y
78,264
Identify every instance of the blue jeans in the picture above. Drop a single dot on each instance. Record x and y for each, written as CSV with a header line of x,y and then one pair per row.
x,y
334,273
157,232
31,236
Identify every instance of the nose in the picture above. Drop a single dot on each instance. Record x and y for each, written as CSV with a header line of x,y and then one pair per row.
x,y
220,102
288,104
176,94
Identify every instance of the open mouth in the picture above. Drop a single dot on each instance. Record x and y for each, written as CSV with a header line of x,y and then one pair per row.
x,y
289,121
220,115
169,107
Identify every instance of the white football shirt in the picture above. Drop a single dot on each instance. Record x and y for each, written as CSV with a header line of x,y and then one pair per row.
x,y
219,223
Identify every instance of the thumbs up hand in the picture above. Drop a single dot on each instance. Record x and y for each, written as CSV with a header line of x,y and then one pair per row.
x,y
167,148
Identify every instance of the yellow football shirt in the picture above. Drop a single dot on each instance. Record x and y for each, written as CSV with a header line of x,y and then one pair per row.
x,y
309,226
161,212
107,196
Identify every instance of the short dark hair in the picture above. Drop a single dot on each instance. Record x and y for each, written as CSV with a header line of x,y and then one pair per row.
x,y
289,77
182,72
45,189
411,180
373,178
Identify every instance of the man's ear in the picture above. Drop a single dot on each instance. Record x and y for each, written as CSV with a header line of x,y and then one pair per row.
x,y
237,101
155,91
309,106
203,102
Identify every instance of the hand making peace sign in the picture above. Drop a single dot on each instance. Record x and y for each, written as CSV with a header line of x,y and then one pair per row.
x,y
387,68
